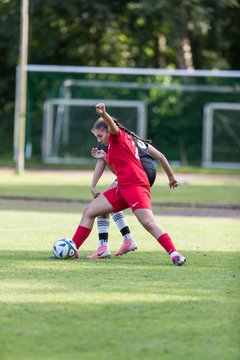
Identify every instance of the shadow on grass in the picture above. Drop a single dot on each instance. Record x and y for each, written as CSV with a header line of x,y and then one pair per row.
x,y
42,206
137,261
89,309
98,331
78,207
48,191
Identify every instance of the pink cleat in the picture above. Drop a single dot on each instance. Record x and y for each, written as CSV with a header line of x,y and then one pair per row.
x,y
102,252
128,245
178,259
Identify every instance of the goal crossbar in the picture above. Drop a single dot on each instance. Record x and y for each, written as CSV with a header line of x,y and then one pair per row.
x,y
131,71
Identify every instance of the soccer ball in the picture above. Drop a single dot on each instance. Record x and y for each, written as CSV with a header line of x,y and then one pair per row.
x,y
64,249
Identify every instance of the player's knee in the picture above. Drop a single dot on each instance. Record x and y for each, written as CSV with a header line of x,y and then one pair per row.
x,y
88,212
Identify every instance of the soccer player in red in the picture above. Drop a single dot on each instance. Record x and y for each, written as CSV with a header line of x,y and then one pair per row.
x,y
133,189
146,153
103,221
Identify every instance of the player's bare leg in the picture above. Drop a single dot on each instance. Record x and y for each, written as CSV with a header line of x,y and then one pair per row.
x,y
146,218
97,207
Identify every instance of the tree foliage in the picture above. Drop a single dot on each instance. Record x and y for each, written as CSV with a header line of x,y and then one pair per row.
x,y
198,34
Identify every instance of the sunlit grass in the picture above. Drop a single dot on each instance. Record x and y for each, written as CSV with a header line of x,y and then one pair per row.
x,y
138,306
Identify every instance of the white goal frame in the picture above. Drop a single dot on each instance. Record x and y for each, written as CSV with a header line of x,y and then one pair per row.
x,y
207,138
48,123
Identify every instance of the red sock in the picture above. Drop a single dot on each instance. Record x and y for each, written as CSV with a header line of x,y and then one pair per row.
x,y
166,243
80,235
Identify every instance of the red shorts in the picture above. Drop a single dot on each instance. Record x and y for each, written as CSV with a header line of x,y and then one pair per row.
x,y
136,197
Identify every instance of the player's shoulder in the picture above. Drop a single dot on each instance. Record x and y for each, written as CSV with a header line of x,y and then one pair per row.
x,y
141,144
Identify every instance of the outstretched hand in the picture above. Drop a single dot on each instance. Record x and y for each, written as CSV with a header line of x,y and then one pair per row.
x,y
98,154
173,183
100,108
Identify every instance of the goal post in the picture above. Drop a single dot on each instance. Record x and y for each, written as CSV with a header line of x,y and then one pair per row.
x,y
174,105
68,122
226,136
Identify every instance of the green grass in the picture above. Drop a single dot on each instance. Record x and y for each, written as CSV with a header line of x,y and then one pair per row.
x,y
75,185
138,306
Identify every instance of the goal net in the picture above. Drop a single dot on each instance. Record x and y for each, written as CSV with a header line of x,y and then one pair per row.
x,y
164,105
67,136
221,135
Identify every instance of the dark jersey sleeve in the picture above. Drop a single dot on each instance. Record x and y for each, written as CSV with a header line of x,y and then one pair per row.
x,y
102,147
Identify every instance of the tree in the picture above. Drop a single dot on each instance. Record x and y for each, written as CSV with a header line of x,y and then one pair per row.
x,y
147,33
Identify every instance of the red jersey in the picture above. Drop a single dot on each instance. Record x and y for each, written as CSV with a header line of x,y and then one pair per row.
x,y
122,157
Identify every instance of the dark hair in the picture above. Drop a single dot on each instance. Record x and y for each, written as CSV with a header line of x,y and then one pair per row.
x,y
100,124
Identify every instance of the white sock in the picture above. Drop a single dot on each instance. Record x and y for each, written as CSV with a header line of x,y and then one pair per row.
x,y
103,227
174,253
122,224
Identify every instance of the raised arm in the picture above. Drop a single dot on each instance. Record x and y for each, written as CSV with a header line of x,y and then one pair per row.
x,y
101,110
98,171
165,164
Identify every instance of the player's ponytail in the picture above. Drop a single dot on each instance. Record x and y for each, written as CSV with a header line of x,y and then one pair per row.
x,y
100,124
131,133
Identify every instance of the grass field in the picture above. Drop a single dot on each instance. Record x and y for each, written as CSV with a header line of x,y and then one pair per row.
x,y
138,306
75,185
